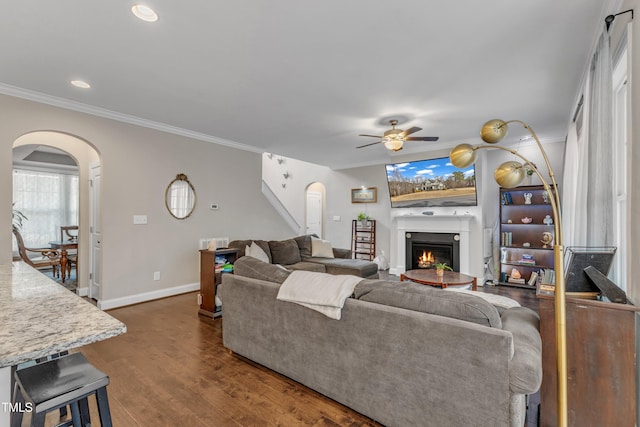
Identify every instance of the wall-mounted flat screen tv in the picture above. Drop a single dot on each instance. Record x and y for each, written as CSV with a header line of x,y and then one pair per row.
x,y
431,183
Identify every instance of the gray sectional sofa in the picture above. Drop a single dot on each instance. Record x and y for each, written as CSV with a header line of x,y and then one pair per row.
x,y
296,254
402,354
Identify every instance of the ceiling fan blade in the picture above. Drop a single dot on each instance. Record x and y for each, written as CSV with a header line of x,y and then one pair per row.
x,y
366,145
410,131
373,136
422,138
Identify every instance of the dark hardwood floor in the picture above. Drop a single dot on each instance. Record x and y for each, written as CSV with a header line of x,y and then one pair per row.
x,y
170,369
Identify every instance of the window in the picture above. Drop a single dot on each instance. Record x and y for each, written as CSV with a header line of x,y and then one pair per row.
x,y
48,200
620,159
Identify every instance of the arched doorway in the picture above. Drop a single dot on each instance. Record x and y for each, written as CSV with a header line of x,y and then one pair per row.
x,y
59,145
314,209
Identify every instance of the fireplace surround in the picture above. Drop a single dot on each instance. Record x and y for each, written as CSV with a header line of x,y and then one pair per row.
x,y
456,224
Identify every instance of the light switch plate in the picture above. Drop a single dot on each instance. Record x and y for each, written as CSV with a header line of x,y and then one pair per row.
x,y
139,219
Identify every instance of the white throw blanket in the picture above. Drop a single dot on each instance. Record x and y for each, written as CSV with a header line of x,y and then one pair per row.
x,y
325,293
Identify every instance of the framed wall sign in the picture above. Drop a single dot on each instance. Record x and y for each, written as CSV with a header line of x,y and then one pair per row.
x,y
364,195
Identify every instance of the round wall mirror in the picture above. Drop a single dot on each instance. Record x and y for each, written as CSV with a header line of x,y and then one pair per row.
x,y
180,197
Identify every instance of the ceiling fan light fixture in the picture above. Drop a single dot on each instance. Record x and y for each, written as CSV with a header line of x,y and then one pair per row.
x,y
393,144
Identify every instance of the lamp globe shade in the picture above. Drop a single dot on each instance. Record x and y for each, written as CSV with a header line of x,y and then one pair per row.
x,y
493,131
463,156
509,174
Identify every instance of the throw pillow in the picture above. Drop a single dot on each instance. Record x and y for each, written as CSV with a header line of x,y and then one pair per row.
x,y
304,245
256,251
321,248
284,252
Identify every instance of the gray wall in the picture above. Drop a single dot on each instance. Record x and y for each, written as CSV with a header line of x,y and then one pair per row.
x,y
137,165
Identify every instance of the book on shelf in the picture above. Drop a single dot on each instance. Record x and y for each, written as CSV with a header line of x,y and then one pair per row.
x,y
506,198
548,276
533,279
224,268
519,281
506,238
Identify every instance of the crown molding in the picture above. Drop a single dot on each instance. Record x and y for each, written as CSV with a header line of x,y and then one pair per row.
x,y
113,115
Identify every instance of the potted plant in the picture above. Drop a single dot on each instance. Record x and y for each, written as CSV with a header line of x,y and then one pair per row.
x,y
16,218
441,267
363,218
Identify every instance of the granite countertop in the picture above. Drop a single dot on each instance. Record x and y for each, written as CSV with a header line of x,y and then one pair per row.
x,y
39,317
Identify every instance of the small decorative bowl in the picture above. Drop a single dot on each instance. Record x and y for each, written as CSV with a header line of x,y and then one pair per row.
x,y
526,220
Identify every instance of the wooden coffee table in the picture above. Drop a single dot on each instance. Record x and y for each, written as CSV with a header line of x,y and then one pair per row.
x,y
428,276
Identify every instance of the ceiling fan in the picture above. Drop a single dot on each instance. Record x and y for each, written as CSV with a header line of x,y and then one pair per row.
x,y
394,139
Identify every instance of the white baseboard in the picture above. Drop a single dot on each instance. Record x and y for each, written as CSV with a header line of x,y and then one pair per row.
x,y
147,296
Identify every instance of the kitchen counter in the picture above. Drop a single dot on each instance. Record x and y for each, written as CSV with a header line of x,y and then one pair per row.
x,y
39,317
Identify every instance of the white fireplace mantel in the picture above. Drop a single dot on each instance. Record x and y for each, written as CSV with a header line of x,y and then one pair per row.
x,y
460,224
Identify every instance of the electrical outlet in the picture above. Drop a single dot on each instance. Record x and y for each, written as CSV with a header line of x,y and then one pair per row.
x,y
156,275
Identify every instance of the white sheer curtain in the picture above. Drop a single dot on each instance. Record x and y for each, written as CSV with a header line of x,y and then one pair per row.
x,y
588,169
48,200
600,177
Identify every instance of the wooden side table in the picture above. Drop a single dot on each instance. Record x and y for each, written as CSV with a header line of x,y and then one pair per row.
x,y
602,338
428,276
210,279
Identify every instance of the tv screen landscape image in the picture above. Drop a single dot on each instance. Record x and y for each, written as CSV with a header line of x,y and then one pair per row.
x,y
431,183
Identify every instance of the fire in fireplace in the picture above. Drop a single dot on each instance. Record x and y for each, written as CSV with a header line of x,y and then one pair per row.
x,y
424,250
426,260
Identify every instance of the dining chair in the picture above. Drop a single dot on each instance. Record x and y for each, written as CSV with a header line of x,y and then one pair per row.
x,y
49,258
69,233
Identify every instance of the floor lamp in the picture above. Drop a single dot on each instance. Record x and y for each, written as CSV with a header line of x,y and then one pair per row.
x,y
510,174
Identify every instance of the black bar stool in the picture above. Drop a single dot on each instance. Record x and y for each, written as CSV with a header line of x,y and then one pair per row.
x,y
68,380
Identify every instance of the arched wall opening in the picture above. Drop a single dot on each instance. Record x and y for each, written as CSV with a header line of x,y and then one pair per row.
x,y
85,155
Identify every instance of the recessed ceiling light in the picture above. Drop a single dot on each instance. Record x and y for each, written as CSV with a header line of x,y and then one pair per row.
x,y
144,12
81,84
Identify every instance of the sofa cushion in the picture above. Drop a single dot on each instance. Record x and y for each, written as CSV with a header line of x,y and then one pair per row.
x,y
307,266
240,245
427,299
525,369
248,266
284,252
321,248
355,267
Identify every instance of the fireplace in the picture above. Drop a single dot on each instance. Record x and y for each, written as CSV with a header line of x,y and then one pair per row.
x,y
424,250
437,224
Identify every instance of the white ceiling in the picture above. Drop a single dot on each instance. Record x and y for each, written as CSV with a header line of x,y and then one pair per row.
x,y
302,79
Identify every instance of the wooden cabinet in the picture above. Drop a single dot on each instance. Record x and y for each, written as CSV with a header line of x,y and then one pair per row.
x,y
363,239
601,362
211,276
526,220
